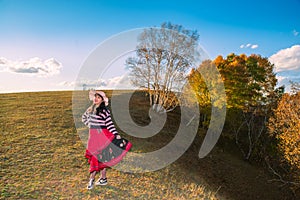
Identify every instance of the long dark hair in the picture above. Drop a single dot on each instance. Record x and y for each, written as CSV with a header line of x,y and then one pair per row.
x,y
101,108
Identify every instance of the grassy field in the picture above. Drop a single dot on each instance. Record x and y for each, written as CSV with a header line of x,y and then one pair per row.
x,y
42,157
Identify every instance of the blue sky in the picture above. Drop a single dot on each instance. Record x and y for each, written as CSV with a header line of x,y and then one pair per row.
x,y
44,43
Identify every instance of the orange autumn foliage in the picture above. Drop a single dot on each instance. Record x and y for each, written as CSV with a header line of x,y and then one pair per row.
x,y
285,127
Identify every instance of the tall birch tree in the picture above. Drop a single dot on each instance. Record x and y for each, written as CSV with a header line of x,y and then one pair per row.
x,y
163,58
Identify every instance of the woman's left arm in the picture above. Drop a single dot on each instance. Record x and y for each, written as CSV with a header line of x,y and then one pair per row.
x,y
110,124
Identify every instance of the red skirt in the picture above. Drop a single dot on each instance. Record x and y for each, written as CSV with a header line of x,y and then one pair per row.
x,y
104,149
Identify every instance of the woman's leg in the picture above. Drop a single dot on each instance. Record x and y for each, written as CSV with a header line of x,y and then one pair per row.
x,y
93,174
91,181
102,180
103,173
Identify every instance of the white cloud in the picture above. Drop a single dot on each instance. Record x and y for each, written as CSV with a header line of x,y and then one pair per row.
x,y
88,84
252,46
117,82
281,78
286,59
67,84
287,66
295,33
33,66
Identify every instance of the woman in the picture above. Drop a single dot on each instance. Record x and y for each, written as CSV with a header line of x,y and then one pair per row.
x,y
105,147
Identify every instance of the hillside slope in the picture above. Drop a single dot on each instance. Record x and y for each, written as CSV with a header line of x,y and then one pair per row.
x,y
42,157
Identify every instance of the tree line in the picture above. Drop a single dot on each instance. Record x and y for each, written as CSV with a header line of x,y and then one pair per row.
x,y
261,119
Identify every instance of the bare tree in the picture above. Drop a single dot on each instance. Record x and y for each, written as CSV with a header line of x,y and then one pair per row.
x,y
248,133
295,87
163,57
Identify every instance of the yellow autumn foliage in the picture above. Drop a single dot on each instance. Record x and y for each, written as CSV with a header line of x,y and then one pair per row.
x,y
285,127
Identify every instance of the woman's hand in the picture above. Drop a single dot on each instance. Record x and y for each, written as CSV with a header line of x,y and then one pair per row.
x,y
118,137
92,94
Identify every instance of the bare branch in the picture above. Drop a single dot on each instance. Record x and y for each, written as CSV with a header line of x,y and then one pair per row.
x,y
163,56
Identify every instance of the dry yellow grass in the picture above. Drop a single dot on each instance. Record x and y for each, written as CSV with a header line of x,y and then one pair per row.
x,y
42,157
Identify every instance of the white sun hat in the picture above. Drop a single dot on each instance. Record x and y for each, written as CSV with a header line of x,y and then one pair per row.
x,y
92,93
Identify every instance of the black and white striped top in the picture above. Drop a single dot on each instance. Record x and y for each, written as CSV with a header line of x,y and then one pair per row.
x,y
103,120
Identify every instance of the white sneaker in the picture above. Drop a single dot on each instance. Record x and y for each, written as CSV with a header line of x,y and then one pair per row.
x,y
91,184
102,181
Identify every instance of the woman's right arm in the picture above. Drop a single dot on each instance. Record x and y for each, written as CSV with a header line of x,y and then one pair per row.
x,y
86,118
